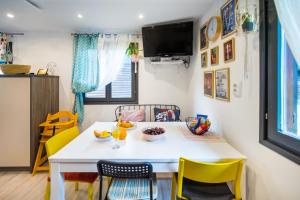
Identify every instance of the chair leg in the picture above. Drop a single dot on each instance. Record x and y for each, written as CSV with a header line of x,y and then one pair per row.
x,y
151,189
47,191
38,158
100,187
90,191
173,193
76,186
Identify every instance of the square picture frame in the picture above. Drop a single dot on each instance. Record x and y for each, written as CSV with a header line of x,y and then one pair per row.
x,y
203,37
42,72
214,56
209,84
204,59
222,84
229,50
228,18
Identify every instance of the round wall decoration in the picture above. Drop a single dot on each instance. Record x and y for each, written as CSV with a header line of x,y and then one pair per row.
x,y
214,28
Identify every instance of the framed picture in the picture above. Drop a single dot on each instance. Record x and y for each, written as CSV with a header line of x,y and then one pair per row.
x,y
204,59
222,81
229,50
209,83
214,56
228,18
203,37
42,72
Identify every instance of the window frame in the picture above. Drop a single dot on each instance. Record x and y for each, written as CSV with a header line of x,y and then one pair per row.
x,y
268,136
108,100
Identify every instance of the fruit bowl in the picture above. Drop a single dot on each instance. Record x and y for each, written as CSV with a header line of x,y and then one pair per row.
x,y
152,133
198,126
15,69
128,125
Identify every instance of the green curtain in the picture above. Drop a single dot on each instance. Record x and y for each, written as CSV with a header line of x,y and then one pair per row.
x,y
85,69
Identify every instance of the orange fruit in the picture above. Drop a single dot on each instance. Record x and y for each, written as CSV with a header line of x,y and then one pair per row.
x,y
123,133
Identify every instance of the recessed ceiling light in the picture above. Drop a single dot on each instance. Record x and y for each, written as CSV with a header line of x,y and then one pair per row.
x,y
141,16
9,15
79,16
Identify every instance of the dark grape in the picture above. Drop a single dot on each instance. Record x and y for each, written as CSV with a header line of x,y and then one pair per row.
x,y
154,131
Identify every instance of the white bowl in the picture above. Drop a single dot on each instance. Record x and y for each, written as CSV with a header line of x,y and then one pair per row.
x,y
151,138
100,139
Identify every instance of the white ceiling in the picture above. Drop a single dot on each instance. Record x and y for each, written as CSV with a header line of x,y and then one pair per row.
x,y
98,15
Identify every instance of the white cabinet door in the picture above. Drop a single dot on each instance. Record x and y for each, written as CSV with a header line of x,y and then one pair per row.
x,y
14,122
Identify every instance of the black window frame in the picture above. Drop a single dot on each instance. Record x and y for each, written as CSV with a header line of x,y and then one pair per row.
x,y
269,136
109,100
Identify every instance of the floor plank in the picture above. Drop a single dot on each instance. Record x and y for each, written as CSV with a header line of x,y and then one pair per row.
x,y
24,186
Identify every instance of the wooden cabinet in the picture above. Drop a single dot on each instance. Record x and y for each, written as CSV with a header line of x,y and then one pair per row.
x,y
25,102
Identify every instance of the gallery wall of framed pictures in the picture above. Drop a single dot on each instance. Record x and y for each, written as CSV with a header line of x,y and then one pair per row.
x,y
218,51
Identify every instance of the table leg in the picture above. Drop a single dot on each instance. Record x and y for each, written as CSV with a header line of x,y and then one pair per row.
x,y
57,183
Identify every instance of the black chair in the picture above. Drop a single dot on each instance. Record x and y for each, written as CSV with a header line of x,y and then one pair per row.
x,y
129,180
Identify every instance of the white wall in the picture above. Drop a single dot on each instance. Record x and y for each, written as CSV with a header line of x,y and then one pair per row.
x,y
166,84
269,175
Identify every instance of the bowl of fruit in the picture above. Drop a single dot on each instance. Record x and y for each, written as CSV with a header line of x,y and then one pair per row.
x,y
102,135
126,124
198,125
152,133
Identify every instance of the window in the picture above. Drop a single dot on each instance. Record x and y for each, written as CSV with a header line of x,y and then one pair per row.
x,y
288,89
123,90
279,87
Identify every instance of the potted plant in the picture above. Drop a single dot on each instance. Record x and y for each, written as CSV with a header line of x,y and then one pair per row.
x,y
247,22
133,51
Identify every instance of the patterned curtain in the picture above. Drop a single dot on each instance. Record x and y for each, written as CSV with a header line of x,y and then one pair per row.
x,y
85,69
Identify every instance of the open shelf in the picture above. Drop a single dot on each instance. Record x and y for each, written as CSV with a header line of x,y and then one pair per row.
x,y
169,62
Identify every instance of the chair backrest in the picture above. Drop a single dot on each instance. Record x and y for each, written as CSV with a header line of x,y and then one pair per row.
x,y
220,172
58,141
149,109
65,115
124,170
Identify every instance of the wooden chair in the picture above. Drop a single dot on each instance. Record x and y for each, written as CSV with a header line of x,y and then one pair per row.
x,y
129,180
55,144
54,124
199,180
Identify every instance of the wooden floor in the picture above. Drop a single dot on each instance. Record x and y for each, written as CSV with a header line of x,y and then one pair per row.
x,y
24,186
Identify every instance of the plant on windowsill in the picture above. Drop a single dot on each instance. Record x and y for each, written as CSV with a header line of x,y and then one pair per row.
x,y
133,51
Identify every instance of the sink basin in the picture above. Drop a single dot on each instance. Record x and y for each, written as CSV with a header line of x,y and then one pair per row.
x,y
15,69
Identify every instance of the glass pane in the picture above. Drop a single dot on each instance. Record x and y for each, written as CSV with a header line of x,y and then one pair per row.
x,y
99,93
122,86
288,90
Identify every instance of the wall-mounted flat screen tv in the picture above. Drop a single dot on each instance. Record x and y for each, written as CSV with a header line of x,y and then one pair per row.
x,y
168,40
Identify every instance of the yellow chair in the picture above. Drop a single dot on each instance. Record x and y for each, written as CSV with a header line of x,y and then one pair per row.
x,y
54,124
207,180
55,144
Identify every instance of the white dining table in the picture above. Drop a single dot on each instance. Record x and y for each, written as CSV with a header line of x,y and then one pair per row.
x,y
82,153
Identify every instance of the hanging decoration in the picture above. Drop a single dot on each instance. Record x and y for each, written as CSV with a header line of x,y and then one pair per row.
x,y
247,17
247,22
3,45
133,51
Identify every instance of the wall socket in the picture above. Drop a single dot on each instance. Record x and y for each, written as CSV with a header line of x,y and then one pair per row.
x,y
237,89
